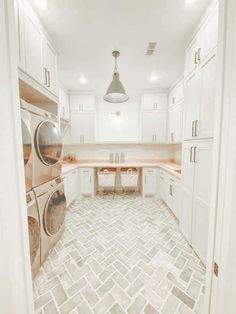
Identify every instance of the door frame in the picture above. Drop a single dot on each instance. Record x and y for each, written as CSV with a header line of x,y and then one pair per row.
x,y
16,294
223,169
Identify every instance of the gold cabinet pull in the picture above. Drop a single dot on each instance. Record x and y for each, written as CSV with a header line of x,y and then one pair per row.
x,y
194,153
196,58
195,127
199,54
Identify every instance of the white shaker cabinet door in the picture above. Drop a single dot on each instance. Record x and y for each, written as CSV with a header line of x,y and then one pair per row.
x,y
34,49
208,35
191,57
187,178
50,65
19,15
82,127
204,127
149,121
191,104
201,199
161,125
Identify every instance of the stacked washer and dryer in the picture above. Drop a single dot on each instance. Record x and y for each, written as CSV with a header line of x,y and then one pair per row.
x,y
46,202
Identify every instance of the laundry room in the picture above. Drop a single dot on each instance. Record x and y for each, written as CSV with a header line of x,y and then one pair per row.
x,y
118,118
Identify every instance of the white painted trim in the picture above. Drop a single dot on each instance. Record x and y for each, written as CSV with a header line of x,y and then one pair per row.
x,y
15,272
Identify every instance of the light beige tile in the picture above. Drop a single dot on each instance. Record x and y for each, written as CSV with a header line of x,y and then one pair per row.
x,y
103,305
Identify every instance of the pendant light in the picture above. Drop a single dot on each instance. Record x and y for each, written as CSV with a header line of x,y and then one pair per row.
x,y
116,92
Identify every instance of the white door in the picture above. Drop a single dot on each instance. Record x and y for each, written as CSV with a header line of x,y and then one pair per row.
x,y
191,104
86,183
50,65
82,127
209,35
204,127
19,16
160,124
149,126
191,56
187,181
150,184
33,49
82,103
201,198
171,124
64,104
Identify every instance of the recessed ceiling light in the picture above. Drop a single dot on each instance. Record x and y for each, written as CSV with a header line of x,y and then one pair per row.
x,y
82,80
42,4
153,78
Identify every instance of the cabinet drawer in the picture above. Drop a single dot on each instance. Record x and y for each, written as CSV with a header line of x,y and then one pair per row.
x,y
86,170
150,170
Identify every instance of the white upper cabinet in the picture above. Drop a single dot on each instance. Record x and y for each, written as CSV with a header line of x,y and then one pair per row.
x,y
191,56
37,57
50,67
153,101
175,109
64,104
33,48
204,42
153,118
191,104
19,15
80,103
199,100
208,35
82,119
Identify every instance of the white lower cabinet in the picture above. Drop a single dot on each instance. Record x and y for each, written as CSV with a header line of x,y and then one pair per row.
x,y
150,181
71,186
170,192
196,191
86,181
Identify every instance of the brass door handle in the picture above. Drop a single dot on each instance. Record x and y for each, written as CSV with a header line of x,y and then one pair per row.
x,y
195,127
196,58
45,77
194,153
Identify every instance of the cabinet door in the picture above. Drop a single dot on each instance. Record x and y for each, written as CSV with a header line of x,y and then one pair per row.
x,y
201,199
191,104
171,124
50,65
208,35
187,177
80,103
19,16
150,184
160,125
154,101
86,184
64,104
82,127
191,57
33,49
204,127
178,123
149,128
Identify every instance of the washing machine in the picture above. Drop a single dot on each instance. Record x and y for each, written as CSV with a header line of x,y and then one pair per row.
x,y
51,202
47,148
27,145
34,232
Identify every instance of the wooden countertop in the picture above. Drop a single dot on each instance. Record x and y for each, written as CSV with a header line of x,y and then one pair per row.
x,y
170,167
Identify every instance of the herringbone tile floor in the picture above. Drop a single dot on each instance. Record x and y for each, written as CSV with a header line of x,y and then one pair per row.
x,y
122,255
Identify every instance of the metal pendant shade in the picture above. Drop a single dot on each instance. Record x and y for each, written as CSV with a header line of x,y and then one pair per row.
x,y
116,92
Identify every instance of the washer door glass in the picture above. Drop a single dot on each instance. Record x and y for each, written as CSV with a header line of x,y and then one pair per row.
x,y
34,237
48,143
54,214
27,144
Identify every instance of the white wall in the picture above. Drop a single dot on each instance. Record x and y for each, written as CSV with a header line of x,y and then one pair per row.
x,y
123,128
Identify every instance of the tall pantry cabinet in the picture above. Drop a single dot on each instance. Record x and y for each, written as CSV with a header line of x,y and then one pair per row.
x,y
198,112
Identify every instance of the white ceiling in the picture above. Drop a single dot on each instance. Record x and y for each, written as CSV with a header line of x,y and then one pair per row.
x,y
86,31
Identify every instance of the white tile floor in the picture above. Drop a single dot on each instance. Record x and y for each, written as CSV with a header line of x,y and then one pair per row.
x,y
122,255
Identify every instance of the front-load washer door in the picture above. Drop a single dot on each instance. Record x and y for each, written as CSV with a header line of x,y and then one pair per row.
x,y
54,213
27,150
48,143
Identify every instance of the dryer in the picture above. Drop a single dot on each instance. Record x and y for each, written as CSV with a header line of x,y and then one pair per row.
x,y
47,148
27,145
51,202
34,232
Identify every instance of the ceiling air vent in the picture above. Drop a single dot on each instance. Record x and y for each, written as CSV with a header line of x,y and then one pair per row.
x,y
151,48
